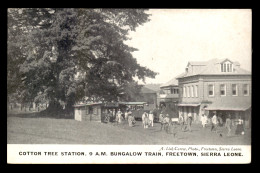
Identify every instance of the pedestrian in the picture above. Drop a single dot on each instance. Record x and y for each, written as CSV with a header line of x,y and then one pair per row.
x,y
240,126
131,120
220,120
161,118
189,121
143,118
126,115
118,116
166,122
214,123
182,123
228,124
146,120
204,120
151,117
171,128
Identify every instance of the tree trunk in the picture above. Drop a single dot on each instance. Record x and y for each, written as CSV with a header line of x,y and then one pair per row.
x,y
54,110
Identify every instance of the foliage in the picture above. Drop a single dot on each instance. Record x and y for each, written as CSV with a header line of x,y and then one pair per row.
x,y
65,55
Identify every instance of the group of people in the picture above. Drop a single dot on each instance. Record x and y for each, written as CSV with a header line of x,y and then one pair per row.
x,y
185,123
147,119
120,117
217,121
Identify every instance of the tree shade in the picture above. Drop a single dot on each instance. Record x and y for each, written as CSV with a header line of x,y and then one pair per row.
x,y
61,56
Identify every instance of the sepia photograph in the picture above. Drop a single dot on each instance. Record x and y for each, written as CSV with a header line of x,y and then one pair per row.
x,y
104,82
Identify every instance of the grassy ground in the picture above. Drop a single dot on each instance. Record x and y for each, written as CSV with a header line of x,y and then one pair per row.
x,y
30,129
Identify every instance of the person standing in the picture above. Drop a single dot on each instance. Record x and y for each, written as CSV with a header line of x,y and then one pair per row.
x,y
143,118
214,123
228,124
131,120
189,121
161,119
240,127
181,121
204,120
146,121
126,115
118,116
151,118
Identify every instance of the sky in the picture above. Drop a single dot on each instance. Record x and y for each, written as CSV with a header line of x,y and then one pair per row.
x,y
173,37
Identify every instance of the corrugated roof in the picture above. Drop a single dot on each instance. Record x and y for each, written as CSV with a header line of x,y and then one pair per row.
x,y
189,104
211,67
132,103
226,104
199,63
173,82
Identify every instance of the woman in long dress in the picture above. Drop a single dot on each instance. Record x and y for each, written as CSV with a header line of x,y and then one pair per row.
x,y
204,120
146,121
151,118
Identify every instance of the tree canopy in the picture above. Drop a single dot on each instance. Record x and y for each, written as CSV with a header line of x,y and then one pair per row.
x,y
65,55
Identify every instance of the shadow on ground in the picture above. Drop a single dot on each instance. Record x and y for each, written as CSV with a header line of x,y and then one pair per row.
x,y
37,115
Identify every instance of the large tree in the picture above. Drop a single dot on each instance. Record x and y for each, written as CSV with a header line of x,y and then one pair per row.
x,y
64,55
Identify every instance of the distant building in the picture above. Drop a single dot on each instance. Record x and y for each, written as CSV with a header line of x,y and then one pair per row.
x,y
169,92
149,96
219,86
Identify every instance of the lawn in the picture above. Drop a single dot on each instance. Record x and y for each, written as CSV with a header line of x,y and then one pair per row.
x,y
30,129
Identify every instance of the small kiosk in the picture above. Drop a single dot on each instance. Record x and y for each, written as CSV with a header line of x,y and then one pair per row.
x,y
96,111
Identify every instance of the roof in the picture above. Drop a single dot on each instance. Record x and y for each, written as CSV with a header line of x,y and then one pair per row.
x,y
200,63
132,103
212,67
79,105
155,87
189,104
224,104
173,82
147,90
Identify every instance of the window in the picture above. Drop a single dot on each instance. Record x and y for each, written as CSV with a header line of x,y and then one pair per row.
x,y
177,91
234,89
246,89
184,91
196,91
223,90
226,67
188,91
211,90
191,91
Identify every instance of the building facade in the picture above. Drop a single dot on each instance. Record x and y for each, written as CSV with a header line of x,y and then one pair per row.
x,y
169,97
169,92
219,86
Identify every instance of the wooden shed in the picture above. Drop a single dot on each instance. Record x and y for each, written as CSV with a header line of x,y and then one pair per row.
x,y
95,111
